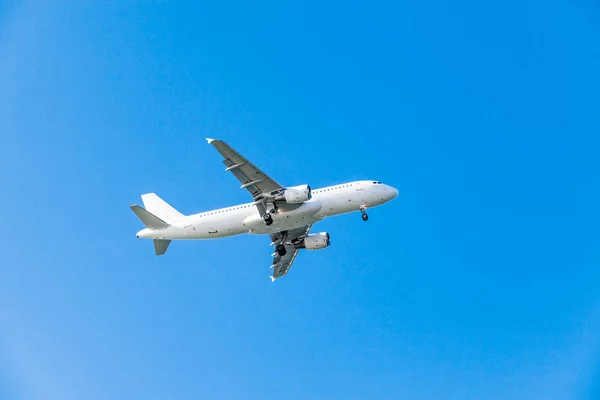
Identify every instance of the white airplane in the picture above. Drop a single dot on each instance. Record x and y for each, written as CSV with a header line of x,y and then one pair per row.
x,y
286,214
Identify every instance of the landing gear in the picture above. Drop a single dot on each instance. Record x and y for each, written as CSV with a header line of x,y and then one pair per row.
x,y
281,250
363,210
267,218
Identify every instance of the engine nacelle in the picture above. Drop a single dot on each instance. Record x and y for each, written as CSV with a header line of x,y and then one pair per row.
x,y
297,194
315,241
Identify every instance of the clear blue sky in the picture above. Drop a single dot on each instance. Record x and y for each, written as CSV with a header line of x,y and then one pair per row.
x,y
480,281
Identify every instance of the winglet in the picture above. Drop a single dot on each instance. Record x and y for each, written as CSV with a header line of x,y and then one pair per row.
x,y
272,278
209,140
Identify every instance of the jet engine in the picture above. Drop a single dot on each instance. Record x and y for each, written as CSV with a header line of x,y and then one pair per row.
x,y
296,194
316,241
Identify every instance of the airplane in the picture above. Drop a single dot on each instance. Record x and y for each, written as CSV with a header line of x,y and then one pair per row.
x,y
284,213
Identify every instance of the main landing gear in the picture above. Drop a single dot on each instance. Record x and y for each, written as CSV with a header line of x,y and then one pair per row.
x,y
281,250
363,210
267,218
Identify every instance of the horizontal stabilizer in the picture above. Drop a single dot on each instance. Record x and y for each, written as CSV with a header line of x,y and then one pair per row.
x,y
160,246
150,220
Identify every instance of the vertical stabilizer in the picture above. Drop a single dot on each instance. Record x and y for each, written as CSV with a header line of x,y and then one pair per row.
x,y
160,246
160,208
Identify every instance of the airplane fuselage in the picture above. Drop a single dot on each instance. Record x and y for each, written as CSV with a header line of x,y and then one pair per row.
x,y
245,218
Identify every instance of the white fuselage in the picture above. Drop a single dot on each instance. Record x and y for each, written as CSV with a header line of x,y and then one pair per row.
x,y
245,218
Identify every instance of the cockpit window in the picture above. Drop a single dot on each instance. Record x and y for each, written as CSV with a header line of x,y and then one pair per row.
x,y
377,183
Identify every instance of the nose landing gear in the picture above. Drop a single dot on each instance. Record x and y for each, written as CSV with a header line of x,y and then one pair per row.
x,y
363,210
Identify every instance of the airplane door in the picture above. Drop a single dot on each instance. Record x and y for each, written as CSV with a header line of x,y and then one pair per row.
x,y
360,193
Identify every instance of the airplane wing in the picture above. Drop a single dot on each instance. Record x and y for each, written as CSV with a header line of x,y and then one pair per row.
x,y
282,264
251,178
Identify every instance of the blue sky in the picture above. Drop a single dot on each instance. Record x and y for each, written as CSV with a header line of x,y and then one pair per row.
x,y
480,281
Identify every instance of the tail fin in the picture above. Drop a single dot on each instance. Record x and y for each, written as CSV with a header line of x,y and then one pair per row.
x,y
160,208
150,220
160,246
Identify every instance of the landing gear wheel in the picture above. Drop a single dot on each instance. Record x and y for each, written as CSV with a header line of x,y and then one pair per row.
x,y
281,250
363,210
267,218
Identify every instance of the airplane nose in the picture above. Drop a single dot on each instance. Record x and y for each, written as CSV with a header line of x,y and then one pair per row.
x,y
393,193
